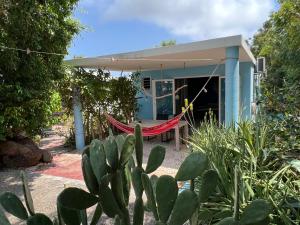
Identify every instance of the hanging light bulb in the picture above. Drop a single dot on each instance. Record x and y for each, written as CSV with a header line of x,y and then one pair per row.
x,y
205,90
186,102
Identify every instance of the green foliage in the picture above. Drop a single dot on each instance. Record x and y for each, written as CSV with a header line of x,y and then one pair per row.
x,y
167,43
27,96
279,42
100,93
266,171
109,190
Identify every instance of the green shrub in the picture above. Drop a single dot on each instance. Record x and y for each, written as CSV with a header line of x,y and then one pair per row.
x,y
266,171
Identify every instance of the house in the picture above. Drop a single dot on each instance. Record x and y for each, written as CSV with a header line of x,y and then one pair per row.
x,y
171,74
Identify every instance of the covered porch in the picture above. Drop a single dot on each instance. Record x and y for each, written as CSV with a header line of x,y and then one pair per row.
x,y
188,66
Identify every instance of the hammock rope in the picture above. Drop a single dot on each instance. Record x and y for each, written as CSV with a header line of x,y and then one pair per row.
x,y
167,125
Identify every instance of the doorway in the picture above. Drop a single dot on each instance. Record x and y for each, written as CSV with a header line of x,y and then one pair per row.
x,y
207,101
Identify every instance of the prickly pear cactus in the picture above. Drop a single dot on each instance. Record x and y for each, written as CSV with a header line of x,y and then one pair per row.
x,y
13,205
109,169
169,207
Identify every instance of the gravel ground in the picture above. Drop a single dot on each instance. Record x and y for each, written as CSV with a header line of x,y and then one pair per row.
x,y
45,188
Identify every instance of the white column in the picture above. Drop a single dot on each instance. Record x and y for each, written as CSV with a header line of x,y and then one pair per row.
x,y
78,121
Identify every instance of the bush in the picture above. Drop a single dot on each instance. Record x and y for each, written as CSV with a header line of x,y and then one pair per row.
x,y
266,171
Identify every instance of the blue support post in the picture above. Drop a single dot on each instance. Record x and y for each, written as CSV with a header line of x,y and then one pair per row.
x,y
247,73
78,121
232,87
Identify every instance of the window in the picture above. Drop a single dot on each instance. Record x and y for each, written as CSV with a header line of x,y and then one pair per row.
x,y
146,83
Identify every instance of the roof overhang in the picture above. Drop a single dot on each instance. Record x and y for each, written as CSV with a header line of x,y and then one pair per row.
x,y
192,54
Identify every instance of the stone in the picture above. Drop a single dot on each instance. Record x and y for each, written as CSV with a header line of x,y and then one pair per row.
x,y
46,156
24,153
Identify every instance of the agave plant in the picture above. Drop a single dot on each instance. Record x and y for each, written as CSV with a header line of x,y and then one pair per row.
x,y
265,173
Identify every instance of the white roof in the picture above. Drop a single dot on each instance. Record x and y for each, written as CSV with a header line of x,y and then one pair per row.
x,y
192,54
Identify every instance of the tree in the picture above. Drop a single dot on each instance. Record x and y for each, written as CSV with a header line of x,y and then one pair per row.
x,y
279,42
28,78
100,93
167,43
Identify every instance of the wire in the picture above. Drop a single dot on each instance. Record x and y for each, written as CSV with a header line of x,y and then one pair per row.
x,y
28,51
202,89
163,96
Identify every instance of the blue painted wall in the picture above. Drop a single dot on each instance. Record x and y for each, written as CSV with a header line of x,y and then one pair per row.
x,y
246,90
232,85
145,102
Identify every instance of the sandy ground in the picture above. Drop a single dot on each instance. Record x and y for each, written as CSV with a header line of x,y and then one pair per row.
x,y
45,188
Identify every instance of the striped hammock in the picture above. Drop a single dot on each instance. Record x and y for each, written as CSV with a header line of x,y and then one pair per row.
x,y
146,131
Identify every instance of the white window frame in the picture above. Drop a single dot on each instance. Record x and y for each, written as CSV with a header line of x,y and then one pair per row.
x,y
154,95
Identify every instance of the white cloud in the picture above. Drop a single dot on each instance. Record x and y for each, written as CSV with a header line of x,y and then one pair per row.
x,y
196,19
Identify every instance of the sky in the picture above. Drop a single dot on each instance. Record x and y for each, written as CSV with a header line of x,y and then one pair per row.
x,y
115,26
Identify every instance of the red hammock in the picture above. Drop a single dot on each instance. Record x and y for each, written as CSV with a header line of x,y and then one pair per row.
x,y
146,131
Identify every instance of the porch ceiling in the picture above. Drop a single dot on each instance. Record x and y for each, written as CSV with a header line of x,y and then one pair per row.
x,y
193,54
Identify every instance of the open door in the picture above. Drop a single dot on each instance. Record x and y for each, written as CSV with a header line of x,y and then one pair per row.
x,y
207,101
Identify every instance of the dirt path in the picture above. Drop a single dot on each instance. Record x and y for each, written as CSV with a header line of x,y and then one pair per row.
x,y
48,180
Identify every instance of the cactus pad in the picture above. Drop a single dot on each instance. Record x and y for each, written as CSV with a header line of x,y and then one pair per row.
x,y
208,185
98,159
127,149
138,144
13,205
256,212
228,221
138,212
192,167
83,199
88,175
149,193
156,157
185,205
39,219
166,194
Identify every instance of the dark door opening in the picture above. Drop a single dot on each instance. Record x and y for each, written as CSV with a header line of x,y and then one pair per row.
x,y
207,101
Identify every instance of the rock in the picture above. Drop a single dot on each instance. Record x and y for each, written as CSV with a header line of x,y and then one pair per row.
x,y
46,156
19,154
